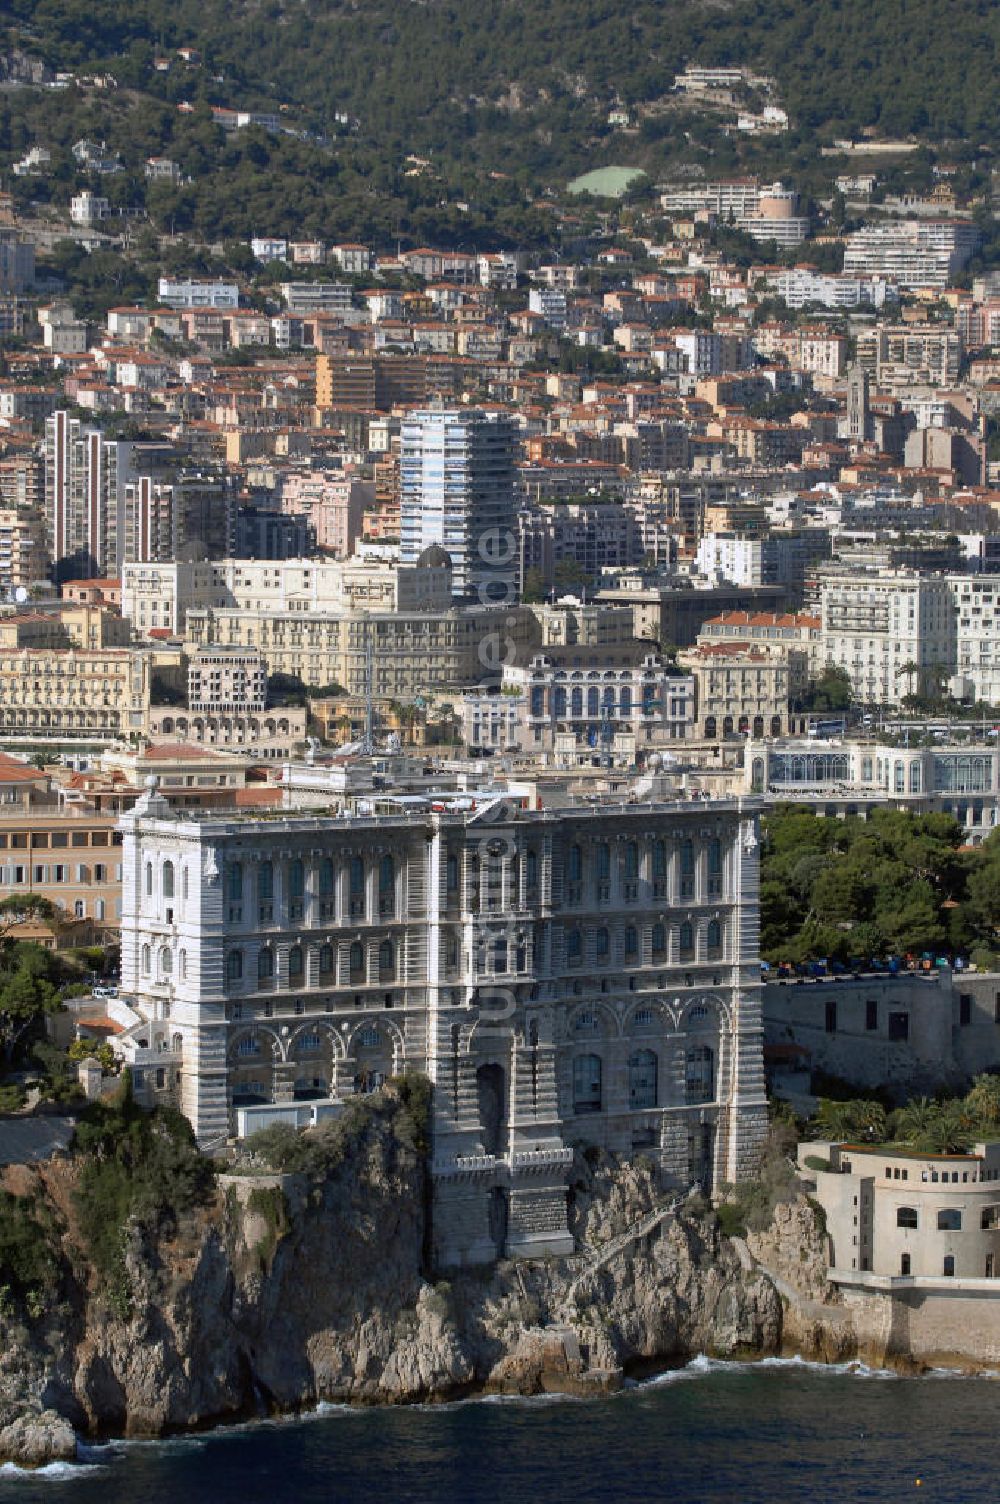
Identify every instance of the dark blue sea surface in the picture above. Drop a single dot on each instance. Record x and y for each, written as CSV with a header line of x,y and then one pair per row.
x,y
753,1433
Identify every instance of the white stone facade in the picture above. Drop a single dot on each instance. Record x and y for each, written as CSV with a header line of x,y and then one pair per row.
x,y
564,977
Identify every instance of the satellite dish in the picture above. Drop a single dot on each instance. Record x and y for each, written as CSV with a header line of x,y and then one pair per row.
x,y
20,595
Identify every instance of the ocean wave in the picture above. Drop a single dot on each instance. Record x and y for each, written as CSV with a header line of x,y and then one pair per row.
x,y
703,1367
55,1472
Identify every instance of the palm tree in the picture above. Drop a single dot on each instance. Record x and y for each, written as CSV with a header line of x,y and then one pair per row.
x,y
983,1101
913,1121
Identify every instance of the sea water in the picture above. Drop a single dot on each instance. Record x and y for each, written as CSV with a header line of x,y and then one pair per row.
x,y
753,1433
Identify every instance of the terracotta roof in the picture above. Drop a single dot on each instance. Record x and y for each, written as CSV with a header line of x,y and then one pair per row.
x,y
263,796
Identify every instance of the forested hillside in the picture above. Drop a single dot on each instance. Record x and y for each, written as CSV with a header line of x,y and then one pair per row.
x,y
445,72
504,99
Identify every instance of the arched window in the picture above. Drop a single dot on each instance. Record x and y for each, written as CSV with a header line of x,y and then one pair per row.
x,y
234,966
602,944
699,1076
574,864
631,941
234,884
711,728
626,702
147,960
642,1079
685,941
325,959
587,1083
574,948
906,1216
659,941
168,879
326,876
593,701
386,877
713,938
386,961
357,962
296,879
265,964
166,961
559,702
576,701
295,962
149,879
914,778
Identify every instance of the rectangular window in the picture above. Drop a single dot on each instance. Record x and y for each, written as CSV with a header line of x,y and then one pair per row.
x,y
871,1013
964,1009
831,1016
899,1027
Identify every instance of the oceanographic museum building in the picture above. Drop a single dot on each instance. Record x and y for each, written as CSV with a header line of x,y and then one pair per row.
x,y
565,975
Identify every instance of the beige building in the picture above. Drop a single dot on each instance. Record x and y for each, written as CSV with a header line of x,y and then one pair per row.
x,y
160,596
408,652
741,688
910,1216
62,691
23,558
267,735
226,680
51,849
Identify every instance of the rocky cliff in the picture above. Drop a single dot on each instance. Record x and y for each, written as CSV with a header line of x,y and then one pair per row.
x,y
286,1289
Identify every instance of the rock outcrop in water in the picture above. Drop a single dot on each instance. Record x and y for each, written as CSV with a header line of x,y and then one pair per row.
x,y
290,1289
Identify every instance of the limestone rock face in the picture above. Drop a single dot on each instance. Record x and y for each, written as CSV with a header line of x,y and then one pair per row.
x,y
299,1288
795,1249
37,1438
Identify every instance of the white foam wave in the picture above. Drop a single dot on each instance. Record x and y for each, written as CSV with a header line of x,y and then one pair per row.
x,y
703,1366
55,1472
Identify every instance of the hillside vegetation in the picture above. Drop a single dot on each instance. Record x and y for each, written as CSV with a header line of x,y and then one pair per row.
x,y
503,99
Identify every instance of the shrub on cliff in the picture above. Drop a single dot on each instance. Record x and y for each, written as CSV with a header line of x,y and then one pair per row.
x,y
29,1264
135,1165
749,1204
403,1105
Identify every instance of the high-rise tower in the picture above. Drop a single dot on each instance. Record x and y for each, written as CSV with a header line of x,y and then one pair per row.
x,y
457,491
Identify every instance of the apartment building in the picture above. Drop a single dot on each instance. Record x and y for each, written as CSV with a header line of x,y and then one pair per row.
x,y
61,851
913,253
893,634
62,691
742,688
401,652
